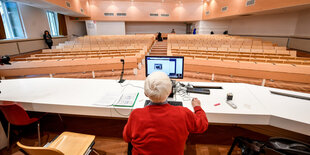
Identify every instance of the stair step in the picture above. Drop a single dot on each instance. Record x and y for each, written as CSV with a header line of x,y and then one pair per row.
x,y
159,51
158,54
159,48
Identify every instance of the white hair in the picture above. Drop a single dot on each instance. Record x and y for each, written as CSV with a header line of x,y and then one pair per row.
x,y
157,87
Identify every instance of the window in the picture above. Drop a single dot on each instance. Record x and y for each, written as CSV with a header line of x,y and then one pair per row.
x,y
11,20
53,22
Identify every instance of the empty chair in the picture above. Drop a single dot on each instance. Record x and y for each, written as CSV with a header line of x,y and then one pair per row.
x,y
68,143
16,115
283,52
269,51
245,50
222,49
257,50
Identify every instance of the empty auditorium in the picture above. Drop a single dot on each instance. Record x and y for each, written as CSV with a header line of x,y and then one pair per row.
x,y
155,77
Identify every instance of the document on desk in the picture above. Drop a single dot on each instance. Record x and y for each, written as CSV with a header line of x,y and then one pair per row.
x,y
127,100
108,99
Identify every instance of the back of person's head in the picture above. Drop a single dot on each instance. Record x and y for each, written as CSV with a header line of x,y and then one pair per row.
x,y
46,31
157,87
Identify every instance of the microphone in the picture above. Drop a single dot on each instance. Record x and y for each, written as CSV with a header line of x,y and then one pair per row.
x,y
121,80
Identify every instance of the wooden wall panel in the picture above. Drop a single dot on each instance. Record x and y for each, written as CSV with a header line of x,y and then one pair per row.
x,y
8,49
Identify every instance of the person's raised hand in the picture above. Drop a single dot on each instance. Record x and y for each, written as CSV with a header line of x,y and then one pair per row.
x,y
195,102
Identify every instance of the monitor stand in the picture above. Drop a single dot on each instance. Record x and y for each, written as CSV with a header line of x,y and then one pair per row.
x,y
171,95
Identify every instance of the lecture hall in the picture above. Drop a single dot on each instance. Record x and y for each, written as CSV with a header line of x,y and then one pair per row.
x,y
155,77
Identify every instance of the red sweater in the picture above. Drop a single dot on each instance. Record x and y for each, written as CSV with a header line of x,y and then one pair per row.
x,y
163,129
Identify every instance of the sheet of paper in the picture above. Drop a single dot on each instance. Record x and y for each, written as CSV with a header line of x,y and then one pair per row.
x,y
127,99
108,99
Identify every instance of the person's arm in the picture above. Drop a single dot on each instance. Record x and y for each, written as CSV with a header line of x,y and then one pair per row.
x,y
127,130
197,122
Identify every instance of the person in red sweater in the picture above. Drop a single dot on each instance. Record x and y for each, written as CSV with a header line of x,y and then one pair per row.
x,y
160,128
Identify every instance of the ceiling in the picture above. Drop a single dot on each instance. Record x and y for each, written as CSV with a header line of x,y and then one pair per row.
x,y
274,11
51,7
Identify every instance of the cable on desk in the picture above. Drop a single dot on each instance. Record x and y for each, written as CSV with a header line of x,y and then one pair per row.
x,y
129,84
181,90
121,113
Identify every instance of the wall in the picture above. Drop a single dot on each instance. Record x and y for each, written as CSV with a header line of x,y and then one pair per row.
x,y
14,47
218,27
276,28
303,31
110,28
152,27
75,28
265,25
303,24
140,11
35,21
238,7
105,28
285,29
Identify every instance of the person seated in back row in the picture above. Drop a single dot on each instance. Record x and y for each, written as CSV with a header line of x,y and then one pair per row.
x,y
160,128
172,31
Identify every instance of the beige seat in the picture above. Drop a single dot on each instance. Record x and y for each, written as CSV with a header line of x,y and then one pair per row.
x,y
68,143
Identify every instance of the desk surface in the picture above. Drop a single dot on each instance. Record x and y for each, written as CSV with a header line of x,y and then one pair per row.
x,y
256,105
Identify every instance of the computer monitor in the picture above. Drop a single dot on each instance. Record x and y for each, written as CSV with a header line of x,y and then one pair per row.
x,y
173,66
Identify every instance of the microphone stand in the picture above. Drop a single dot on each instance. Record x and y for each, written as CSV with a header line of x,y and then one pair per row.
x,y
121,80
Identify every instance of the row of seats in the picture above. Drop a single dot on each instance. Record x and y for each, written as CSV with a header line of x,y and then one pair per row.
x,y
216,39
236,50
109,41
231,48
225,58
243,57
225,43
82,56
52,67
93,54
294,86
268,71
87,47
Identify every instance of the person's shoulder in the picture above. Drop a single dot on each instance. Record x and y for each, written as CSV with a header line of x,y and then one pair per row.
x,y
179,108
138,111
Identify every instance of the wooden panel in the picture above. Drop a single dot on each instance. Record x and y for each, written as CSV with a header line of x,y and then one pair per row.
x,y
34,45
301,44
69,66
8,49
244,69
